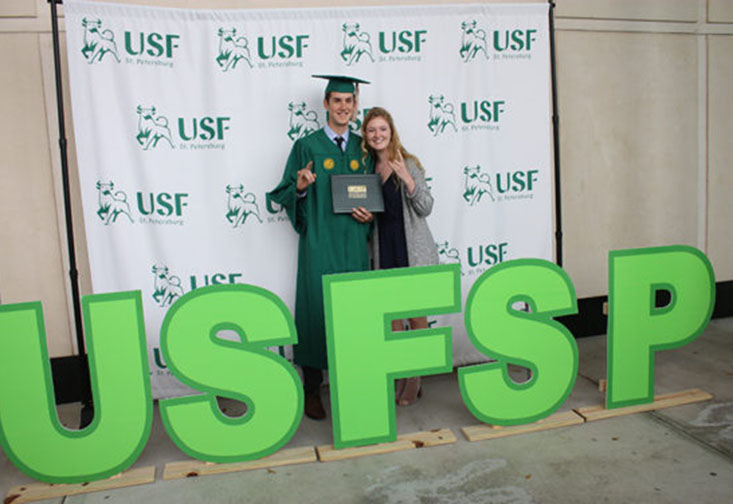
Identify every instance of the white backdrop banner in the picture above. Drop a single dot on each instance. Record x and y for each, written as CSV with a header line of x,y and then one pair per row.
x,y
184,119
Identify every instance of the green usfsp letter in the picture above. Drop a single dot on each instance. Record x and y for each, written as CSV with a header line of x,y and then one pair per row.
x,y
30,431
365,356
637,328
243,370
532,340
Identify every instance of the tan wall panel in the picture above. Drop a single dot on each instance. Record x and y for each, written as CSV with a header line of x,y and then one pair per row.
x,y
30,260
720,11
52,124
18,8
628,126
649,10
720,220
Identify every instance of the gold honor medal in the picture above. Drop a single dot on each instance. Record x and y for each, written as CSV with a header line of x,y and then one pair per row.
x,y
354,165
328,164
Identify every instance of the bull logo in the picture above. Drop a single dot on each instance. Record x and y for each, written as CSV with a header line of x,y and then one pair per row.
x,y
111,203
152,128
97,43
476,184
167,287
302,122
241,205
232,49
441,115
448,254
472,41
356,44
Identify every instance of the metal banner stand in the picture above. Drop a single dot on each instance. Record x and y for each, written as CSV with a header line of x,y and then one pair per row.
x,y
87,412
555,140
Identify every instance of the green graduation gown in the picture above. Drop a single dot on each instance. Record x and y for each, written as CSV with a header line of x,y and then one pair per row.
x,y
329,243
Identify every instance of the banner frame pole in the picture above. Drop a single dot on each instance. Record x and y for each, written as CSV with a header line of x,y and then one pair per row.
x,y
87,412
555,139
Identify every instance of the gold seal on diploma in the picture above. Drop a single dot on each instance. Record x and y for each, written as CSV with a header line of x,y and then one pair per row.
x,y
328,164
354,165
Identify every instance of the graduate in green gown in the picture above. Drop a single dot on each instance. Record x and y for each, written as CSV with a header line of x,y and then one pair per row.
x,y
328,242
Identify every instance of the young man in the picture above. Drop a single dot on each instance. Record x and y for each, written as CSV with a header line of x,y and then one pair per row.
x,y
329,242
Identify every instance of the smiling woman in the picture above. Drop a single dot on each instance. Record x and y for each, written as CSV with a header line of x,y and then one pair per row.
x,y
401,234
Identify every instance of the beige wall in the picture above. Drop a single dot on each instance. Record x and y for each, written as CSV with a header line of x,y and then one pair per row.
x,y
645,120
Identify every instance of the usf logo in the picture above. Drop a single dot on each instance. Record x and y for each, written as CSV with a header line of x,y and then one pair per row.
x,y
518,184
487,254
356,44
166,287
162,204
97,43
404,41
112,203
441,115
505,44
479,113
153,45
516,40
302,122
473,41
504,186
152,128
476,185
232,49
241,205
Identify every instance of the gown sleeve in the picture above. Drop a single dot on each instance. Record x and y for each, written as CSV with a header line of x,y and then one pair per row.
x,y
285,193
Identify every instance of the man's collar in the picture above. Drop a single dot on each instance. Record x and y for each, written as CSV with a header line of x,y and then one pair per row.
x,y
332,134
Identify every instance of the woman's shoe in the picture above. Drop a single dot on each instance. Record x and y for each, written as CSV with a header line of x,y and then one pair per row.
x,y
411,392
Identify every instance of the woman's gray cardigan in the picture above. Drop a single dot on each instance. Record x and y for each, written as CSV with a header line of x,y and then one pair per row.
x,y
421,250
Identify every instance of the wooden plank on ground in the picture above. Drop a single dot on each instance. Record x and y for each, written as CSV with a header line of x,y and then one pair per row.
x,y
599,411
191,468
40,491
426,439
485,431
437,437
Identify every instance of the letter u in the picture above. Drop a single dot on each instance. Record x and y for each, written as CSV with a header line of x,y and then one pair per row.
x,y
30,432
261,47
480,256
497,44
128,43
498,183
464,113
182,129
141,204
382,46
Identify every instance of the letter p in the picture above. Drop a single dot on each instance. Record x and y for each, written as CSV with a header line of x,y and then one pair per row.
x,y
637,327
365,356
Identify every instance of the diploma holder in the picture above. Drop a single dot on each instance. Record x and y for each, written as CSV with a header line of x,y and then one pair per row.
x,y
351,191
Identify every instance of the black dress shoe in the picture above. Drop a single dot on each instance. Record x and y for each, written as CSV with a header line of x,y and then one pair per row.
x,y
314,407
